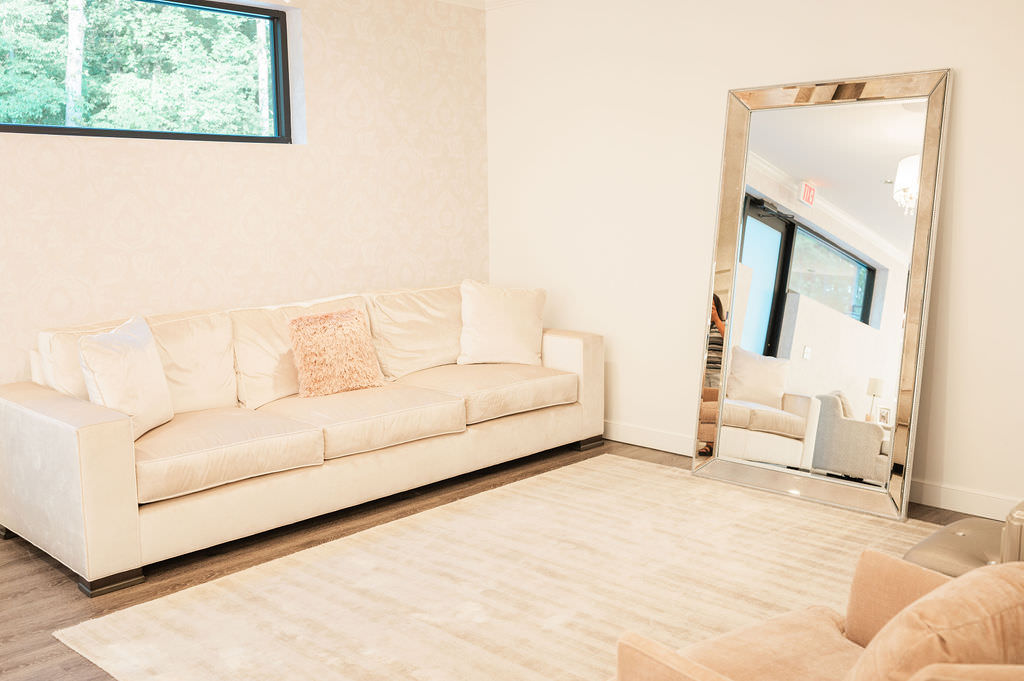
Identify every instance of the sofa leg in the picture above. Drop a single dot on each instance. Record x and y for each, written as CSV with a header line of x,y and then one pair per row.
x,y
6,534
589,443
105,585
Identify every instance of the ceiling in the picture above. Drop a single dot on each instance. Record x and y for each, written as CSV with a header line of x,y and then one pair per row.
x,y
847,151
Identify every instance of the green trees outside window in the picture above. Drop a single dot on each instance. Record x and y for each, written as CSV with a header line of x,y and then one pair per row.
x,y
136,65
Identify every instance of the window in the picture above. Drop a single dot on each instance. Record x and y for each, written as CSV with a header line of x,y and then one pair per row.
x,y
144,68
830,275
784,255
762,253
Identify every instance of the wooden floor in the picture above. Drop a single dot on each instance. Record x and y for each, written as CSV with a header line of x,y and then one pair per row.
x,y
38,596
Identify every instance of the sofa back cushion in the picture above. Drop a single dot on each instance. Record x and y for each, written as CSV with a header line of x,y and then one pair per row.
x,y
415,330
198,357
756,378
195,349
59,360
264,363
977,618
122,371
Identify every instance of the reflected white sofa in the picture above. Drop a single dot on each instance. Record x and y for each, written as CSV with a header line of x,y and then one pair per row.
x,y
760,420
759,432
244,453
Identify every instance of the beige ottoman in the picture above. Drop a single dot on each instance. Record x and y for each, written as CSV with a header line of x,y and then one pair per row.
x,y
971,543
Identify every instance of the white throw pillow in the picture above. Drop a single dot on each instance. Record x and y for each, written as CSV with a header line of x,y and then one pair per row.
x,y
122,371
756,378
501,324
60,359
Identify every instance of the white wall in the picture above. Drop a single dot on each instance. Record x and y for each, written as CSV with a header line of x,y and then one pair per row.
x,y
605,122
844,354
390,189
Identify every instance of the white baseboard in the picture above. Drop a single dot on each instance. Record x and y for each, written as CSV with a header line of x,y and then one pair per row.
x,y
665,440
963,499
951,497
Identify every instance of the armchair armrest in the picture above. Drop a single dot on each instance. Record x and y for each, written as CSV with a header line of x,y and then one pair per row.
x,y
67,479
882,586
582,354
641,659
970,672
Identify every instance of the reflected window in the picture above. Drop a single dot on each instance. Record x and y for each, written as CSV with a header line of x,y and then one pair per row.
x,y
762,248
784,255
830,276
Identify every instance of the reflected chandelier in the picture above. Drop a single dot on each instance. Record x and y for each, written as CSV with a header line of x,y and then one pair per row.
x,y
907,184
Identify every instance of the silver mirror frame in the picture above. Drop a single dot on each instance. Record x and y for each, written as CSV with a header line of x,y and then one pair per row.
x,y
935,86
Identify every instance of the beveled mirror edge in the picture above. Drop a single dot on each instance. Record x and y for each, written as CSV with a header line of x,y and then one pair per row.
x,y
737,119
946,87
881,502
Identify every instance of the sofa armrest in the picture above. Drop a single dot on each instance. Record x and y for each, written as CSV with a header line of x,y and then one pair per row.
x,y
796,404
641,659
970,672
882,586
582,354
67,479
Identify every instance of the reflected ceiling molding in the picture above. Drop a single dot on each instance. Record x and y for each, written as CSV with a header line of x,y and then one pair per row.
x,y
821,205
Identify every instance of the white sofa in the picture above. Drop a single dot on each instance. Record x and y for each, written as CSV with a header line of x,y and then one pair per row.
x,y
244,453
759,432
761,420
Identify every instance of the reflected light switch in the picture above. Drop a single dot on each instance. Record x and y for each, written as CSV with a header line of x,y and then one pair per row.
x,y
807,352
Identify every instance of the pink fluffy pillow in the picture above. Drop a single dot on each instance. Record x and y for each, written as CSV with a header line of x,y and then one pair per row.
x,y
334,353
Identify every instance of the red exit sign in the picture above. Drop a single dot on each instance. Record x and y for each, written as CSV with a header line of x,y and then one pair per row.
x,y
807,194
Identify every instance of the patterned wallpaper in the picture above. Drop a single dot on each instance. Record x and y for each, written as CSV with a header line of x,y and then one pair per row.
x,y
390,190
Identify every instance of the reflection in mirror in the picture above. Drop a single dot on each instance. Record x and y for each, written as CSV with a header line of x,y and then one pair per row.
x,y
813,334
819,289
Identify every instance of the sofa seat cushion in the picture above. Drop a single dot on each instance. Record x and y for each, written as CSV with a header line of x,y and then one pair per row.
x,y
761,417
374,418
198,450
495,390
765,651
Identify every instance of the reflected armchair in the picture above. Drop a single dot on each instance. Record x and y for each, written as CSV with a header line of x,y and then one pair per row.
x,y
708,420
846,446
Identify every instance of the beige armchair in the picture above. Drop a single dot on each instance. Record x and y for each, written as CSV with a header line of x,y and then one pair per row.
x,y
847,446
902,622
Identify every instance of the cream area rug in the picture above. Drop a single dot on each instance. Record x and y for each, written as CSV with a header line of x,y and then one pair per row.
x,y
533,581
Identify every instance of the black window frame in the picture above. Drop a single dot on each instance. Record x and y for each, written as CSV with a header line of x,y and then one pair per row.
x,y
788,225
281,87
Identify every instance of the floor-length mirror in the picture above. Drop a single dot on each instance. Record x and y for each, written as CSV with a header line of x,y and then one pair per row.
x,y
827,213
